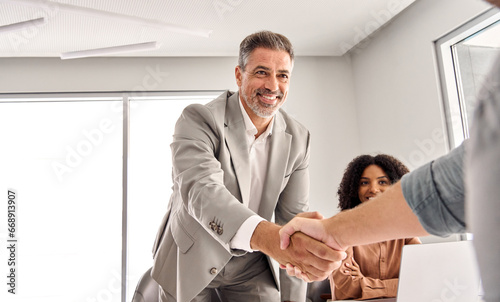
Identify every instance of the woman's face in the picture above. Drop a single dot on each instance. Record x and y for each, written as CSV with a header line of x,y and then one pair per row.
x,y
373,182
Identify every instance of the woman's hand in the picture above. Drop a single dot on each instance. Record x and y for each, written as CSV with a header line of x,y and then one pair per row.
x,y
352,270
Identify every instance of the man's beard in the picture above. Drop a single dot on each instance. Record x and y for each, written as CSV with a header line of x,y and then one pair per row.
x,y
262,109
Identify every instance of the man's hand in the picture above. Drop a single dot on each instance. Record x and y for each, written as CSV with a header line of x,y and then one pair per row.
x,y
311,224
314,259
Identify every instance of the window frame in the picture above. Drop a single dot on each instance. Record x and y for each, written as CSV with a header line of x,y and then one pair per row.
x,y
453,107
452,102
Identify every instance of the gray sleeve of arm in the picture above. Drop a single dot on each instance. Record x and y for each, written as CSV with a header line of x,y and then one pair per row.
x,y
435,193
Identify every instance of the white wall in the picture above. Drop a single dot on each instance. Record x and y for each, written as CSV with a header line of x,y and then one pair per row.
x,y
398,99
116,74
321,97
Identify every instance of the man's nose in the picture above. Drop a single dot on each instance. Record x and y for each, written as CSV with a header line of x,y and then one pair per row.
x,y
272,83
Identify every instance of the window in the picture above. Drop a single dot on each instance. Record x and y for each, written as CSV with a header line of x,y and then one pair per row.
x,y
64,164
152,121
465,57
91,184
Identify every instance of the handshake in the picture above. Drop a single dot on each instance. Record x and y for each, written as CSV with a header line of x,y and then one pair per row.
x,y
302,247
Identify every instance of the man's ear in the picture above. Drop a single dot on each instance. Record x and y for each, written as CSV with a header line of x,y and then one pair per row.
x,y
238,73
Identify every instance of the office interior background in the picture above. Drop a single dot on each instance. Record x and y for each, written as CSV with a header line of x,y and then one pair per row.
x,y
85,142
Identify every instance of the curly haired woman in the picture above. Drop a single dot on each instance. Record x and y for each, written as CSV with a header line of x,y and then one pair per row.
x,y
369,271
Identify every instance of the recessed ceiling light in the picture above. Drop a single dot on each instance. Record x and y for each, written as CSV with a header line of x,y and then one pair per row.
x,y
109,50
21,25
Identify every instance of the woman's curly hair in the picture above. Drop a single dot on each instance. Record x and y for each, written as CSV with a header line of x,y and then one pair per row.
x,y
349,186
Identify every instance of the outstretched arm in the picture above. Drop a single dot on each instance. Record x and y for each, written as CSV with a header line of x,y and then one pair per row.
x,y
384,218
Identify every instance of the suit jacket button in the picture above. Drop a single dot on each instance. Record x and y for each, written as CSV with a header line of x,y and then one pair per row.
x,y
220,231
213,271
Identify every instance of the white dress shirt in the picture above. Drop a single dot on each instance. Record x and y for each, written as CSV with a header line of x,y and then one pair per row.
x,y
259,156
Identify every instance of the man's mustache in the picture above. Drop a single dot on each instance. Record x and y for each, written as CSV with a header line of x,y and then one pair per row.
x,y
277,93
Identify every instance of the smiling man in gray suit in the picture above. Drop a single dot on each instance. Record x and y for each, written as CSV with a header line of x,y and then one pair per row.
x,y
238,162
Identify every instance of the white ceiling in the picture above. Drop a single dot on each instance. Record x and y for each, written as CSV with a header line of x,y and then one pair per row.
x,y
316,27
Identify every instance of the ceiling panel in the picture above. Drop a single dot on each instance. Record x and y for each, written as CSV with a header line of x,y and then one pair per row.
x,y
316,28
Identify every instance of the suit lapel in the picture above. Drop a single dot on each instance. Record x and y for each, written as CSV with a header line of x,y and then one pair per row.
x,y
238,147
237,144
276,168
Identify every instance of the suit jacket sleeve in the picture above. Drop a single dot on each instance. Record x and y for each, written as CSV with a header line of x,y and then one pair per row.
x,y
198,174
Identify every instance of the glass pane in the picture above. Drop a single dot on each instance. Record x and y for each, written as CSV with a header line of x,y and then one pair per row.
x,y
150,180
64,161
474,58
465,56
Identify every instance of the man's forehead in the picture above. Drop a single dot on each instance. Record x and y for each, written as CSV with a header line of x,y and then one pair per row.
x,y
270,59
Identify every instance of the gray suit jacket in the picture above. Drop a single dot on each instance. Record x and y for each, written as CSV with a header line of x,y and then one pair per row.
x,y
211,180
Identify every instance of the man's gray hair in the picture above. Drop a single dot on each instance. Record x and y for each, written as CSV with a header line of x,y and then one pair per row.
x,y
264,39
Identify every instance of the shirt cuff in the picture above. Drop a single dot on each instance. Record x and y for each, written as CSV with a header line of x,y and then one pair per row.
x,y
435,193
241,239
420,193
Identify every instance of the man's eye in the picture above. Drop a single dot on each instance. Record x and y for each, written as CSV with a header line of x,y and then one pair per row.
x,y
283,78
260,72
